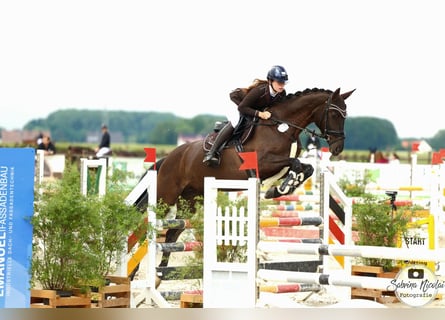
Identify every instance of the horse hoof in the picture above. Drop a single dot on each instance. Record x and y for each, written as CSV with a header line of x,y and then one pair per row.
x,y
271,193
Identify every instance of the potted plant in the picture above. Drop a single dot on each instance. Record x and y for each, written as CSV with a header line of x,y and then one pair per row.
x,y
379,223
77,238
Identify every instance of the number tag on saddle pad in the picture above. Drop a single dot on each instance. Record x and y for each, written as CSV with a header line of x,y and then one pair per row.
x,y
283,127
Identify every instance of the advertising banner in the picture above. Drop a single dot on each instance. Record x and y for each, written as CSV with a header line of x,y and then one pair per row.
x,y
16,208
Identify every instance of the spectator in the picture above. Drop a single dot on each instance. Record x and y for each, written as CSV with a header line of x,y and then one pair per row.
x,y
104,147
312,142
39,138
394,158
312,148
47,146
380,158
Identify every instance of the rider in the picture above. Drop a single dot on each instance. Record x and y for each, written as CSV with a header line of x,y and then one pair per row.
x,y
252,102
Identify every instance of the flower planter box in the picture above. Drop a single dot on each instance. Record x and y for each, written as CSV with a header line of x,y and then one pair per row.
x,y
381,296
191,299
115,295
51,299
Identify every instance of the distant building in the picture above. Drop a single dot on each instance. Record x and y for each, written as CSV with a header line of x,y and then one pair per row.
x,y
28,137
185,138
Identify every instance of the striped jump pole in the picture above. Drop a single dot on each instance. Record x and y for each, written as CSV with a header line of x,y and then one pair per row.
x,y
179,246
299,197
173,224
326,279
290,221
291,213
290,287
294,240
290,207
437,255
285,213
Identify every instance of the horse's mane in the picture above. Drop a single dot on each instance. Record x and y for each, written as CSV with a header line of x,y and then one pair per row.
x,y
306,92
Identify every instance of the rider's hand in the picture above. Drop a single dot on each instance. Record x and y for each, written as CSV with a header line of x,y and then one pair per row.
x,y
264,115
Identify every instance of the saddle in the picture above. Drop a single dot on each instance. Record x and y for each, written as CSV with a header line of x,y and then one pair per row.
x,y
243,131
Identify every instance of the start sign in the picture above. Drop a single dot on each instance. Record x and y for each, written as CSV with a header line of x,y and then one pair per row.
x,y
420,234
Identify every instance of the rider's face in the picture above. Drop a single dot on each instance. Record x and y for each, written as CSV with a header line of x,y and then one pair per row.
x,y
278,86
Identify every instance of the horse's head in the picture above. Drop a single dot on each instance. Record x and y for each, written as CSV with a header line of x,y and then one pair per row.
x,y
324,108
331,120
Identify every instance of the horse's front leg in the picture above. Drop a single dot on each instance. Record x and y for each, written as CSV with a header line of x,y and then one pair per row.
x,y
297,174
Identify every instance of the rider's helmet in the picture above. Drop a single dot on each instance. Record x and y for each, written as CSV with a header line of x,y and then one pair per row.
x,y
277,73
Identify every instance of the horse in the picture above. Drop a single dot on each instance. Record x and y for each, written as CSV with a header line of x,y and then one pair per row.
x,y
181,173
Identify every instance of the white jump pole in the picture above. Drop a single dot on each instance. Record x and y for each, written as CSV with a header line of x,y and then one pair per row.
x,y
353,251
325,279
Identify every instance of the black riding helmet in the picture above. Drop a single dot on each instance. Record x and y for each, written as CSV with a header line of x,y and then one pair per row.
x,y
277,73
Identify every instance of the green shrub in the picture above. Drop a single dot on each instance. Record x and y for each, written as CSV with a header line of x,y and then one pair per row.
x,y
357,187
378,225
78,239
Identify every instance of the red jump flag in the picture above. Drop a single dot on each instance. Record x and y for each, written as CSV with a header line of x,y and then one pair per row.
x,y
415,146
150,156
437,158
250,161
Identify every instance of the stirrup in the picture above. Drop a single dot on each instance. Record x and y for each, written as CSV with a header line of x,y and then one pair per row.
x,y
211,160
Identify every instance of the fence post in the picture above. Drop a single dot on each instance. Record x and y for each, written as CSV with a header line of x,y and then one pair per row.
x,y
230,284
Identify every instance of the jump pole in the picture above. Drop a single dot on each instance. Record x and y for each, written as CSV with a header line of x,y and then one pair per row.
x,y
335,279
352,251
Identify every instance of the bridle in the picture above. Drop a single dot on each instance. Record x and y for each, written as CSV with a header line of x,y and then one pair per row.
x,y
326,133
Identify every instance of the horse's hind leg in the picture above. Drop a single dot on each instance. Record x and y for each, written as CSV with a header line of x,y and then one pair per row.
x,y
298,173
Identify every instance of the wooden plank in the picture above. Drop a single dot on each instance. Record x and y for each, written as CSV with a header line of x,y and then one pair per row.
x,y
364,292
118,279
366,269
115,295
381,296
191,300
50,299
116,303
387,299
115,289
40,306
47,294
77,302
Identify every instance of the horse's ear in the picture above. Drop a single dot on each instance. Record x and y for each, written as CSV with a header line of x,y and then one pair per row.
x,y
336,92
347,94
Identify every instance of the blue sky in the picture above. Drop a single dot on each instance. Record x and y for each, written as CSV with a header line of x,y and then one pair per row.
x,y
185,56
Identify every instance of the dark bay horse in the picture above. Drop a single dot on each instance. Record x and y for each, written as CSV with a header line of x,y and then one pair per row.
x,y
181,173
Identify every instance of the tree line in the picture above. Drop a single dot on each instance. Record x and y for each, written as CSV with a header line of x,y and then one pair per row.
x,y
75,125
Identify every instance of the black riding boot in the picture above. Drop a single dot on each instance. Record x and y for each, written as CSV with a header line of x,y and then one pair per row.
x,y
212,157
